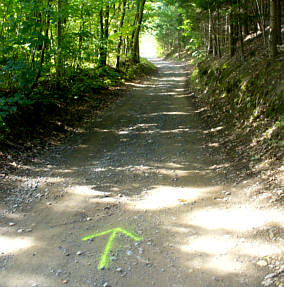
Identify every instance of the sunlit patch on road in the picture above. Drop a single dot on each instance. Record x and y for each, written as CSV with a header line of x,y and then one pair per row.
x,y
9,245
168,196
240,219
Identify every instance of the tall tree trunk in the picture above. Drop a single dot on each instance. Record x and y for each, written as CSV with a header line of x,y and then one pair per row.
x,y
210,40
240,31
233,34
246,20
273,28
43,48
120,36
261,15
103,36
279,16
135,49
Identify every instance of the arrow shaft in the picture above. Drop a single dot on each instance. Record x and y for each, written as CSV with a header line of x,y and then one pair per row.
x,y
104,257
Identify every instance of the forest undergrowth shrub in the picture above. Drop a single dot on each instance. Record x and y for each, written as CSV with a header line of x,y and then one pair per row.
x,y
242,93
144,68
25,108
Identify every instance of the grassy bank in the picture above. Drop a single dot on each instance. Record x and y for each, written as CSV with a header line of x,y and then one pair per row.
x,y
242,104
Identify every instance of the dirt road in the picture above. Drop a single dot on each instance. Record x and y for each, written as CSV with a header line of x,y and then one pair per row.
x,y
143,176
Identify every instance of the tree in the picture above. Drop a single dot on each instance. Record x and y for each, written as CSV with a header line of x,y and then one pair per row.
x,y
139,16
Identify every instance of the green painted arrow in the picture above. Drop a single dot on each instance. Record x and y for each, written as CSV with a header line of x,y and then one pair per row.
x,y
104,257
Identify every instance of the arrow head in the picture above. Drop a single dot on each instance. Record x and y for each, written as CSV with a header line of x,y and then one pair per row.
x,y
104,257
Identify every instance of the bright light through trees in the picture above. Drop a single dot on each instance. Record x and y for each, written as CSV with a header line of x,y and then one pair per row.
x,y
148,46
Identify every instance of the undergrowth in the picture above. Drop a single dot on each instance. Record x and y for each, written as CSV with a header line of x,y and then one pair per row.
x,y
248,95
53,106
244,99
23,109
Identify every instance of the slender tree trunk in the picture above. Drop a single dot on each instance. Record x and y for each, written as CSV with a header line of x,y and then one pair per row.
x,y
131,41
43,48
233,34
218,35
260,8
135,48
210,40
279,15
103,37
240,32
81,28
273,28
120,36
246,21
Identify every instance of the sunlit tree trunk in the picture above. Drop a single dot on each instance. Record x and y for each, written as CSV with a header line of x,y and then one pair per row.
x,y
104,33
120,35
210,40
135,49
44,46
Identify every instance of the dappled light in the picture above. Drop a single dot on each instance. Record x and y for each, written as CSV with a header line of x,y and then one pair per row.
x,y
18,279
86,190
13,245
141,143
148,46
161,197
242,219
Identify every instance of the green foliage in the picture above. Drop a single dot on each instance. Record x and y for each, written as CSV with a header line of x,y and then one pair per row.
x,y
54,49
241,88
144,68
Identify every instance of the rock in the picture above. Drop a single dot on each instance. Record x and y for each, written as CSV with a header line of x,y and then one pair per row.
x,y
262,263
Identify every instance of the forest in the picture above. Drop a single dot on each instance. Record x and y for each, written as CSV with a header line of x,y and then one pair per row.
x,y
59,51
141,143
